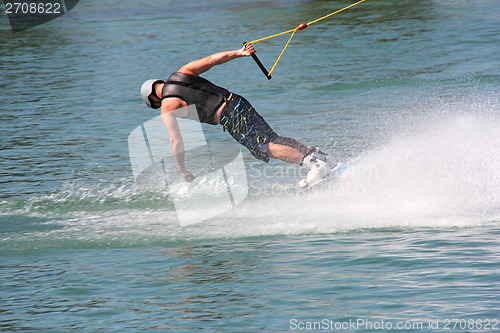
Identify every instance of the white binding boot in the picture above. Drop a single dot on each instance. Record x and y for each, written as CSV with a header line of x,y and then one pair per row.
x,y
319,166
324,157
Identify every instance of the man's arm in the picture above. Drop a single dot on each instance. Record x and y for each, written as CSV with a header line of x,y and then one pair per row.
x,y
202,65
168,117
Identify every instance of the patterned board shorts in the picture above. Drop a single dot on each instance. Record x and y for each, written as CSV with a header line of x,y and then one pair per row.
x,y
247,127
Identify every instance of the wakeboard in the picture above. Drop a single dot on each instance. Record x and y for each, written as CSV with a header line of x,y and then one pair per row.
x,y
324,183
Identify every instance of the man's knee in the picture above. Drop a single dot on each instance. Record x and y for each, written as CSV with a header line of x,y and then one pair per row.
x,y
266,149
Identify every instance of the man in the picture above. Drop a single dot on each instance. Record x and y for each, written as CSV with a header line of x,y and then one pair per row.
x,y
216,105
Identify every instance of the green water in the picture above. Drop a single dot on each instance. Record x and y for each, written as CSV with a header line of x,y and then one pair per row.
x,y
404,92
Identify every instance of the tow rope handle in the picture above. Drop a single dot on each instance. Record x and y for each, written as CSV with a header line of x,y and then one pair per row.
x,y
259,63
262,68
293,31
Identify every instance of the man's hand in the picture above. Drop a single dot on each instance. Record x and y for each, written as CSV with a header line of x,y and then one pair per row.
x,y
187,176
246,50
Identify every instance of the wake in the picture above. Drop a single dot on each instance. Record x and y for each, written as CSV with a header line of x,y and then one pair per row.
x,y
441,174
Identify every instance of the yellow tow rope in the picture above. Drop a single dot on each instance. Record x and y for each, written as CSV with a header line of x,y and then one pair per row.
x,y
293,31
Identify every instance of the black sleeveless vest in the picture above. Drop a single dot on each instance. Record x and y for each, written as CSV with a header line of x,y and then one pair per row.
x,y
196,90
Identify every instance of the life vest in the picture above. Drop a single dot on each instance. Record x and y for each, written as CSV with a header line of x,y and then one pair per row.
x,y
193,89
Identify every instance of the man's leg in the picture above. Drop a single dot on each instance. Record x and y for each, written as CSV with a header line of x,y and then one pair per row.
x,y
318,164
287,149
251,130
